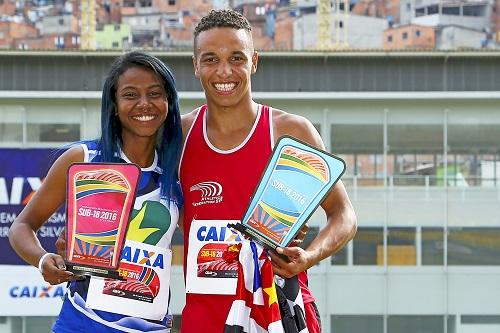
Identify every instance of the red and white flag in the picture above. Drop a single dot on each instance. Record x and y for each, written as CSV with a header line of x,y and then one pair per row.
x,y
256,308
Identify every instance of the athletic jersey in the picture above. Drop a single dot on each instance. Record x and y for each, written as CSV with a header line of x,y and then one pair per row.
x,y
157,214
217,185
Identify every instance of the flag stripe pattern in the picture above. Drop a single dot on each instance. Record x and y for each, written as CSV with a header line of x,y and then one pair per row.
x,y
255,308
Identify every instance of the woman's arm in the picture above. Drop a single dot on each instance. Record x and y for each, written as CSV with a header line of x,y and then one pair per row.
x,y
45,202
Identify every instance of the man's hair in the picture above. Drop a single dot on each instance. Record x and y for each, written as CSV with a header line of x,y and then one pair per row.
x,y
223,18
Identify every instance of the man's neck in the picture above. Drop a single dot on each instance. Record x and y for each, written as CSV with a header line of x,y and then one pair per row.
x,y
228,127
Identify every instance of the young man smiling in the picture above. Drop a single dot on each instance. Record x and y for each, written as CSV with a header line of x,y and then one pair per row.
x,y
227,144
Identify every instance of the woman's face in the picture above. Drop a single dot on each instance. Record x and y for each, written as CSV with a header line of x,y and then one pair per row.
x,y
141,102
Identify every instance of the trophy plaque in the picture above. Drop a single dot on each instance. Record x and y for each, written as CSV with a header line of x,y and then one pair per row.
x,y
100,197
297,178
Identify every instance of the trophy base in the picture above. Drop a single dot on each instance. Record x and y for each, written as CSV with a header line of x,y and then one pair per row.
x,y
253,235
79,269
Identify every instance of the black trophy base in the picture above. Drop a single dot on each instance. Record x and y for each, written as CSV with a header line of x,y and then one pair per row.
x,y
79,269
254,235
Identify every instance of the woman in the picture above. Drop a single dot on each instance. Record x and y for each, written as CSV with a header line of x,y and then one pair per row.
x,y
140,123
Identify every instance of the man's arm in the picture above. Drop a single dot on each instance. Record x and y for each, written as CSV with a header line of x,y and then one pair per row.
x,y
341,220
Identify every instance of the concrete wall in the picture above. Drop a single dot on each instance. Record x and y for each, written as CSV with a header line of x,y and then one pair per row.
x,y
453,37
464,21
363,31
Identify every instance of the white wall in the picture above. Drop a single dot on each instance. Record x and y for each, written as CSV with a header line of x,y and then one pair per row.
x,y
452,37
363,31
464,21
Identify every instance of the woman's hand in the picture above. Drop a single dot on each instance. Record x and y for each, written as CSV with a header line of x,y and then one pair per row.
x,y
53,269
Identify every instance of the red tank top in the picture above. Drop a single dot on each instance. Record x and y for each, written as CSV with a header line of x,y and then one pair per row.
x,y
232,177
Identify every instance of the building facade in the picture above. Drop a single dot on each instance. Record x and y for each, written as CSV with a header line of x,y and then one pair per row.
x,y
410,37
114,36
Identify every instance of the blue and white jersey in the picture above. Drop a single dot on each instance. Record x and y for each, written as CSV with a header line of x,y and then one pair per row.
x,y
156,220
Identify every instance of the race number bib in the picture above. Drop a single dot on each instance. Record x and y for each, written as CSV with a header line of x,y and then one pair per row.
x,y
145,289
212,259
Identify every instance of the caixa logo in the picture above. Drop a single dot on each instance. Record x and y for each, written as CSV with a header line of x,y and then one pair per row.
x,y
142,257
217,234
36,291
11,193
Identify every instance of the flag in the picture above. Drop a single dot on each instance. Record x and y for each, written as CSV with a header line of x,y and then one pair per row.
x,y
291,305
255,308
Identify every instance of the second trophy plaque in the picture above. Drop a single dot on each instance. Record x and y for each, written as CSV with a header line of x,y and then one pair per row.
x,y
297,178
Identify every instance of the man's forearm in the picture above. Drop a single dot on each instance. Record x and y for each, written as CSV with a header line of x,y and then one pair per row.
x,y
340,229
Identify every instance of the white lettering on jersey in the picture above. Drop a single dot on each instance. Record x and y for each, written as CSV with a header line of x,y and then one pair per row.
x,y
210,193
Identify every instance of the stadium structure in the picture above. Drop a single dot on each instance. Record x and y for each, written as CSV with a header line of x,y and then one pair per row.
x,y
420,132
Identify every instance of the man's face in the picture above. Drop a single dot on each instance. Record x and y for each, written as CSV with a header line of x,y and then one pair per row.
x,y
224,61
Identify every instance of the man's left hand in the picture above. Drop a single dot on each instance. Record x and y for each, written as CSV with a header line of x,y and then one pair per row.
x,y
298,261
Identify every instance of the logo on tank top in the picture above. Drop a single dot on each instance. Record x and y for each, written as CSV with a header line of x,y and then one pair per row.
x,y
210,193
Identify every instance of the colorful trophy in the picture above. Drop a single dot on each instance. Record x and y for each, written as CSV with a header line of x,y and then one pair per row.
x,y
295,181
100,198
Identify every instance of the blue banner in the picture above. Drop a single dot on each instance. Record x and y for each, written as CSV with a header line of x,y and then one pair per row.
x,y
21,174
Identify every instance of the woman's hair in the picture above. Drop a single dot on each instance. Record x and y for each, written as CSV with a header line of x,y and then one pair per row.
x,y
169,138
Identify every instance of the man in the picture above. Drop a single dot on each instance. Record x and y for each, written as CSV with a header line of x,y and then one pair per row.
x,y
227,145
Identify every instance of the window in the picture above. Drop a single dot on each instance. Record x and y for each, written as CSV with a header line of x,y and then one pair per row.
x,y
358,324
401,249
116,27
434,9
417,33
432,246
61,21
115,45
171,2
128,3
60,124
415,324
11,127
53,132
404,35
341,24
145,3
340,258
59,42
408,7
474,10
475,319
389,39
365,245
473,246
451,10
